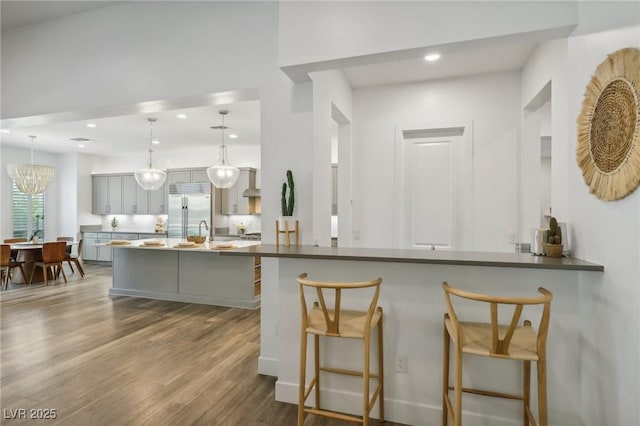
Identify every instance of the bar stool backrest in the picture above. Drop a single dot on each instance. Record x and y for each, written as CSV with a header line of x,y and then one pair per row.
x,y
331,313
15,240
5,255
500,346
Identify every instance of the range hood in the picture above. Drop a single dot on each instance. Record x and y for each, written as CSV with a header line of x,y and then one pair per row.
x,y
251,192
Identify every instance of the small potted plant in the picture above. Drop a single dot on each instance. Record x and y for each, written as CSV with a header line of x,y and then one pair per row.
x,y
241,228
287,201
114,223
553,246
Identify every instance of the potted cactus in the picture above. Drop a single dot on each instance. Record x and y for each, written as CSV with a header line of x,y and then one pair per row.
x,y
553,245
287,202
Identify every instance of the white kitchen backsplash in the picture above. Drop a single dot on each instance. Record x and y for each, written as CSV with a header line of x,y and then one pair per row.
x,y
252,223
140,223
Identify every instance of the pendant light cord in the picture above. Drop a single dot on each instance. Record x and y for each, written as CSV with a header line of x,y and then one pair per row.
x,y
151,120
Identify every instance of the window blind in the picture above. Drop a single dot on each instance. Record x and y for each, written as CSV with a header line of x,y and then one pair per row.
x,y
27,212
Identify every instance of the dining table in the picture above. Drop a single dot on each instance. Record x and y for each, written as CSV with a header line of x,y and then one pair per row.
x,y
29,253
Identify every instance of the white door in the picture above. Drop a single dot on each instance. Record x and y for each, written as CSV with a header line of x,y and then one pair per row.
x,y
433,189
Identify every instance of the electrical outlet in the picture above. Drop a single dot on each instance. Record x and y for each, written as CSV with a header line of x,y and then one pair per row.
x,y
513,236
401,364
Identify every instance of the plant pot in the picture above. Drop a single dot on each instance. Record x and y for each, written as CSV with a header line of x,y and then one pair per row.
x,y
553,250
289,220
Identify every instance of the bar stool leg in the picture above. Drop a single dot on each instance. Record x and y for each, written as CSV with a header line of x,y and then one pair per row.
x,y
526,392
542,391
365,376
457,417
445,376
381,368
303,369
317,367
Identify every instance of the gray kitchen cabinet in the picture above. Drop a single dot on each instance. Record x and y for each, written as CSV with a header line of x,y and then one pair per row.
x,y
157,201
187,176
232,201
134,198
179,176
89,249
107,194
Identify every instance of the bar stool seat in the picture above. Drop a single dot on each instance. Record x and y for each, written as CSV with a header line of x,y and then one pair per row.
x,y
333,321
495,340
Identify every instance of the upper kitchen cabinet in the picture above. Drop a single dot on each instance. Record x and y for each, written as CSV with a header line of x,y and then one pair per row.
x,y
134,198
157,201
107,195
187,176
232,201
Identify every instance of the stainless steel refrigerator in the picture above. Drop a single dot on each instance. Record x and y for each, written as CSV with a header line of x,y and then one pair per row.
x,y
189,204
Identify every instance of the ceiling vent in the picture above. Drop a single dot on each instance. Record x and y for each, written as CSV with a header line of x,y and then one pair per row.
x,y
80,139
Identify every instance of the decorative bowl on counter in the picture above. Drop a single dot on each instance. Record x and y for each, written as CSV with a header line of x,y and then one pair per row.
x,y
197,238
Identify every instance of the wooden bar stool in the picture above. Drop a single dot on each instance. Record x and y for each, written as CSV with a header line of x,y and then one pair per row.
x,y
333,321
496,341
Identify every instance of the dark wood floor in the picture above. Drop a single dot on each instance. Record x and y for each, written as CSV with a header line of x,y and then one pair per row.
x,y
98,360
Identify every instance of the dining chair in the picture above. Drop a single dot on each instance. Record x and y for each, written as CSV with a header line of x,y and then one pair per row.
x,y
69,248
5,257
333,321
491,339
53,254
75,259
13,261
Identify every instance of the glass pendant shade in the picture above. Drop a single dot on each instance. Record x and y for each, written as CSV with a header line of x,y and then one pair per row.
x,y
150,178
222,174
31,178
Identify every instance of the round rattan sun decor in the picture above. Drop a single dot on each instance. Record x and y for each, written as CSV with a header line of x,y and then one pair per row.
x,y
608,150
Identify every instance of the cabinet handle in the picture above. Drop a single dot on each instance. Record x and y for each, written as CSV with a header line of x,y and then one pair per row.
x,y
134,208
161,208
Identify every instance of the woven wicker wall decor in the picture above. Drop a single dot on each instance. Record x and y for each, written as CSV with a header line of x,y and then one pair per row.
x,y
608,146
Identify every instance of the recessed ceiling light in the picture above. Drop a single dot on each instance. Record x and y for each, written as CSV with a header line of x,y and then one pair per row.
x,y
233,136
6,131
93,126
181,116
432,57
155,142
80,145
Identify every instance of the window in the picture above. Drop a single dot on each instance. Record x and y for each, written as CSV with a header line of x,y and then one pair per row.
x,y
28,214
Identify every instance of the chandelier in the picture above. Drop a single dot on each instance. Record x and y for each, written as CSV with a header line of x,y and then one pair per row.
x,y
31,178
150,178
223,175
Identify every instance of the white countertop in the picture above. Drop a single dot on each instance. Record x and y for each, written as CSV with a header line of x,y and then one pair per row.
x,y
172,244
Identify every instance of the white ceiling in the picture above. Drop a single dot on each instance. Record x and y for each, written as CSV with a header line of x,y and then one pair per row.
x,y
130,133
19,13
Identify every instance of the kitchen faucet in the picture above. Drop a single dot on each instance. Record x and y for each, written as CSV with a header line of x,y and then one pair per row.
x,y
206,227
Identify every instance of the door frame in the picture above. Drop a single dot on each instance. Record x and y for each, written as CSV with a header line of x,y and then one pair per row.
x,y
463,223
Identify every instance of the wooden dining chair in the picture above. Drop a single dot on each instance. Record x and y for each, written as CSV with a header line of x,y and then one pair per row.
x,y
53,254
69,248
13,261
5,257
334,321
490,339
75,259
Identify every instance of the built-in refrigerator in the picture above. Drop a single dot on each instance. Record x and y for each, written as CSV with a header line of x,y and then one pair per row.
x,y
188,205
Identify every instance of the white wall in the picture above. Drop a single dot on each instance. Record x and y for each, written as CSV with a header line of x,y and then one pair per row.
x,y
67,174
601,232
330,91
490,101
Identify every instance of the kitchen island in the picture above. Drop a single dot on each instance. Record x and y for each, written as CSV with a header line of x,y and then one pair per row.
x,y
197,274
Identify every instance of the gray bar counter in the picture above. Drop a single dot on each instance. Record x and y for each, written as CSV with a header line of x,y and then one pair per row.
x,y
438,257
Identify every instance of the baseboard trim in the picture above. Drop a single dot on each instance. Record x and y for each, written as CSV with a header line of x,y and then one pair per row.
x,y
268,366
398,411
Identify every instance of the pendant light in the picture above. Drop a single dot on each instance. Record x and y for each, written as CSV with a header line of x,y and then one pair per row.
x,y
31,178
150,178
223,175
